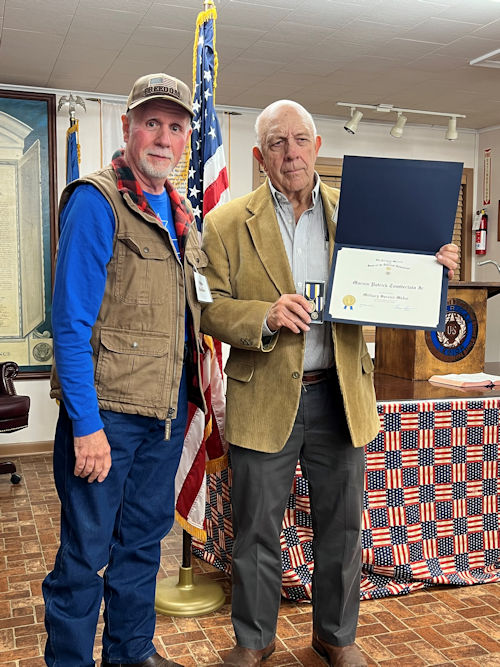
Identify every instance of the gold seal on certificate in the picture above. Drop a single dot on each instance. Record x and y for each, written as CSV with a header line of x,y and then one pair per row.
x,y
315,293
349,300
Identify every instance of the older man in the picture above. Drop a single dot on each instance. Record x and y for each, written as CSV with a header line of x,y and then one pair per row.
x,y
295,390
126,324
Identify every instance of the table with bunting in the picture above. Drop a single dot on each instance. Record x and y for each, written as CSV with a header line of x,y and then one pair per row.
x,y
431,497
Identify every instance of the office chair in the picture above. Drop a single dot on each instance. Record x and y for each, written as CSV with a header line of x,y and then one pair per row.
x,y
14,411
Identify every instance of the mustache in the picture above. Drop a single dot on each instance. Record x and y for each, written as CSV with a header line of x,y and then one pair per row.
x,y
161,153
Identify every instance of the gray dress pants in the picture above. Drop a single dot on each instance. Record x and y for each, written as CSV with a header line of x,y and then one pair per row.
x,y
260,490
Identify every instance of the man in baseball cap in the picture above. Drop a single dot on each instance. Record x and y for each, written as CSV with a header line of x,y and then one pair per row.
x,y
124,289
160,86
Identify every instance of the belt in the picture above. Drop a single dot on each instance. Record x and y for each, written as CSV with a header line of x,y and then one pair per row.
x,y
313,377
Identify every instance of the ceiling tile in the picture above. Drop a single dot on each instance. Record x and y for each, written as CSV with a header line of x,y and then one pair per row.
x,y
407,49
87,20
468,47
366,32
333,15
246,13
433,62
44,20
63,6
129,5
441,30
245,66
405,13
286,35
146,36
476,11
160,15
238,37
99,37
285,5
490,31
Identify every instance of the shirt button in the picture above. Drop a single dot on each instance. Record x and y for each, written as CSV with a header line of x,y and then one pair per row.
x,y
295,375
146,250
135,344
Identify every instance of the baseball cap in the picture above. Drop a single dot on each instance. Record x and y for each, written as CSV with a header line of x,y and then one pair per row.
x,y
160,86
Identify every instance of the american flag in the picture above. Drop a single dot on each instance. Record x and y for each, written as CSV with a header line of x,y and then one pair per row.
x,y
207,179
204,446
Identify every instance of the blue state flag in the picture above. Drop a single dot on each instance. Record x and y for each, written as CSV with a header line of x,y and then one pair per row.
x,y
72,154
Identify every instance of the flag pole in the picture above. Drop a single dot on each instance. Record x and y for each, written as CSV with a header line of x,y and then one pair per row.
x,y
192,595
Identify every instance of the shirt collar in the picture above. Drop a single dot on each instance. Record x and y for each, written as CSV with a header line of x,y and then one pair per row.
x,y
280,199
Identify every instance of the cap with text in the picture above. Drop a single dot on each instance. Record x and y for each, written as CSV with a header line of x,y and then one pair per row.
x,y
160,87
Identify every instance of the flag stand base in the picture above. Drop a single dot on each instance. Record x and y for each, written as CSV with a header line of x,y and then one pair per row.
x,y
191,596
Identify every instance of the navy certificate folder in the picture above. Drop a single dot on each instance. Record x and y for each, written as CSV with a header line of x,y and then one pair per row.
x,y
397,205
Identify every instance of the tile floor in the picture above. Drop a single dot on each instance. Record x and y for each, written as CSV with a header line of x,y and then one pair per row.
x,y
442,627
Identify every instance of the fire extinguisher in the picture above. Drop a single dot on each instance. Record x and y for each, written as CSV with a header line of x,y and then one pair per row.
x,y
481,234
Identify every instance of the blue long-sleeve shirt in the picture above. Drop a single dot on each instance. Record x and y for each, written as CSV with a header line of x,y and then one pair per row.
x,y
87,229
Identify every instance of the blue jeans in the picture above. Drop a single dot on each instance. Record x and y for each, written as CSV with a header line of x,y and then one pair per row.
x,y
119,522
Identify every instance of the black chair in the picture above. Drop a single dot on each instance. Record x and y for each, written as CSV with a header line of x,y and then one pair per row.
x,y
14,411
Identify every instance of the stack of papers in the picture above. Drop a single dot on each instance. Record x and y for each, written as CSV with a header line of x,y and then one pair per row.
x,y
467,379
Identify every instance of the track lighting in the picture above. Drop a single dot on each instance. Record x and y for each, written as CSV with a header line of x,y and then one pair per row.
x,y
397,129
451,132
352,125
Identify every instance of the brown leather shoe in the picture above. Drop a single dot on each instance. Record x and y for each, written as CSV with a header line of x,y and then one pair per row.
x,y
248,657
154,660
338,656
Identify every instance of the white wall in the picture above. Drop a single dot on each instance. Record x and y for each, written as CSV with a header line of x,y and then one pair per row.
x,y
372,139
489,273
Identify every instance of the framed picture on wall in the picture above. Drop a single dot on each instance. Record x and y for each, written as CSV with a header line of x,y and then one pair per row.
x,y
27,229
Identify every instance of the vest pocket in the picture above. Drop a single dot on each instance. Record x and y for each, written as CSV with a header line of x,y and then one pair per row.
x,y
132,366
142,270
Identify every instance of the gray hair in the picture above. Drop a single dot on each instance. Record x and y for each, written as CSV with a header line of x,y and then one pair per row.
x,y
271,109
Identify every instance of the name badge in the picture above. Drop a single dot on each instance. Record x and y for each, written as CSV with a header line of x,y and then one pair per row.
x,y
202,289
315,293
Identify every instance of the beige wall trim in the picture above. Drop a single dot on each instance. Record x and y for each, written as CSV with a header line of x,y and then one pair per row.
x,y
14,449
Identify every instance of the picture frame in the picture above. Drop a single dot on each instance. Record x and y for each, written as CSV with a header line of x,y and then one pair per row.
x,y
28,229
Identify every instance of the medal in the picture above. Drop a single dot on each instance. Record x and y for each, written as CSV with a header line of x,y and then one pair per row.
x,y
315,294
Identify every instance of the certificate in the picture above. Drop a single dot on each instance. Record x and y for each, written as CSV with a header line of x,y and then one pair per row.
x,y
386,288
393,217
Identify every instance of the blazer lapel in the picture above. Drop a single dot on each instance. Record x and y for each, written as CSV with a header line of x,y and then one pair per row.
x,y
266,236
329,206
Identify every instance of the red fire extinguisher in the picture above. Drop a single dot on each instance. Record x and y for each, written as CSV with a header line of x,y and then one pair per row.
x,y
481,234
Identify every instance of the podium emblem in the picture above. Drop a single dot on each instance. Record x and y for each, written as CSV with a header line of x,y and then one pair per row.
x,y
459,335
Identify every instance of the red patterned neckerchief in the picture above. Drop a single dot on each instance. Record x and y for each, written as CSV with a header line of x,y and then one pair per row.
x,y
127,183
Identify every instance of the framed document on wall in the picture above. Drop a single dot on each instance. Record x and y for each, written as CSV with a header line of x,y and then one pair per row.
x,y
27,229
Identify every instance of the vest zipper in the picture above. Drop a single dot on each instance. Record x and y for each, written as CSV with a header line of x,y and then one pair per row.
x,y
170,411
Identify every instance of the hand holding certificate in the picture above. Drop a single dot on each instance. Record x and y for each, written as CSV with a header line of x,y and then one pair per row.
x,y
393,216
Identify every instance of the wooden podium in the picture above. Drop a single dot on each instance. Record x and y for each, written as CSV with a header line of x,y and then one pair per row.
x,y
416,355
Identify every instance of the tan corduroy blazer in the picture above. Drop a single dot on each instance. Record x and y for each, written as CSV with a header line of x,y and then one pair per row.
x,y
247,271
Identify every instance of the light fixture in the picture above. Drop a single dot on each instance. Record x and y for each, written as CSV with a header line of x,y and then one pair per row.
x,y
352,125
451,132
486,60
397,129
